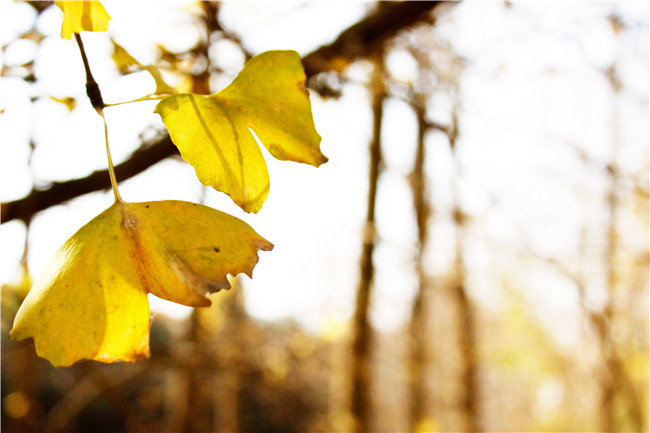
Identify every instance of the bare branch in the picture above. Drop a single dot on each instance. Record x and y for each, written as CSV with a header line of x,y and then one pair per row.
x,y
363,38
37,200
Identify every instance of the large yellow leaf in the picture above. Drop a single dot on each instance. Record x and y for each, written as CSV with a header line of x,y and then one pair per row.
x,y
81,16
91,302
213,133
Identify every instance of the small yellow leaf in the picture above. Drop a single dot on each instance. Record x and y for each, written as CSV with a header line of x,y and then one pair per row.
x,y
91,302
69,102
126,63
162,88
81,16
213,133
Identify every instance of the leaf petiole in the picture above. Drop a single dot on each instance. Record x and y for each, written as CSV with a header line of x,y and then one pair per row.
x,y
111,169
95,96
149,97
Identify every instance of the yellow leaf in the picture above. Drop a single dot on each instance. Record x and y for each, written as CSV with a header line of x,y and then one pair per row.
x,y
125,63
91,302
81,16
213,133
69,102
162,88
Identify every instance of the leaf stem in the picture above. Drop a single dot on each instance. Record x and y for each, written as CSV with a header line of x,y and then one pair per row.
x,y
150,97
111,169
95,96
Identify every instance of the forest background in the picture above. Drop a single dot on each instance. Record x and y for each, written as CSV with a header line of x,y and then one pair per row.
x,y
474,255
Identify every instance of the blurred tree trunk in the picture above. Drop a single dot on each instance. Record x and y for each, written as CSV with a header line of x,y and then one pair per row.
x,y
195,417
362,332
418,328
614,379
230,349
602,322
466,315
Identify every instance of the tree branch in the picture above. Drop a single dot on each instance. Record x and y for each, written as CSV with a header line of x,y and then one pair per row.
x,y
37,200
358,41
362,39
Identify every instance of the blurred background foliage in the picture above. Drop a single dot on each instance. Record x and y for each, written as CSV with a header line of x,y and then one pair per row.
x,y
466,356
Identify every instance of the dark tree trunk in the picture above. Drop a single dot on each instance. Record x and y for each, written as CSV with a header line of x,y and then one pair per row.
x,y
362,338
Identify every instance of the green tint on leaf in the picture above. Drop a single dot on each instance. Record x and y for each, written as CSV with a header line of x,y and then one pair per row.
x,y
91,301
213,133
79,16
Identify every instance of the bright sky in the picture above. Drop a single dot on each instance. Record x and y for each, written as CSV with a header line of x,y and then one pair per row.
x,y
532,90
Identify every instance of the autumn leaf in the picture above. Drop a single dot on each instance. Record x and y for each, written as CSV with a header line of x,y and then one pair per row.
x,y
81,16
213,133
125,63
91,302
69,102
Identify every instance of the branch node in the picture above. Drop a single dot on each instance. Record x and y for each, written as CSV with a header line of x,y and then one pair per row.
x,y
92,88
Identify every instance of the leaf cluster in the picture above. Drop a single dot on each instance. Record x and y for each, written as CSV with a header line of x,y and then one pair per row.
x,y
91,301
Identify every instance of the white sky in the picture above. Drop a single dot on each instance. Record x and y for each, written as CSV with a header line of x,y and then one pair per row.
x,y
532,89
